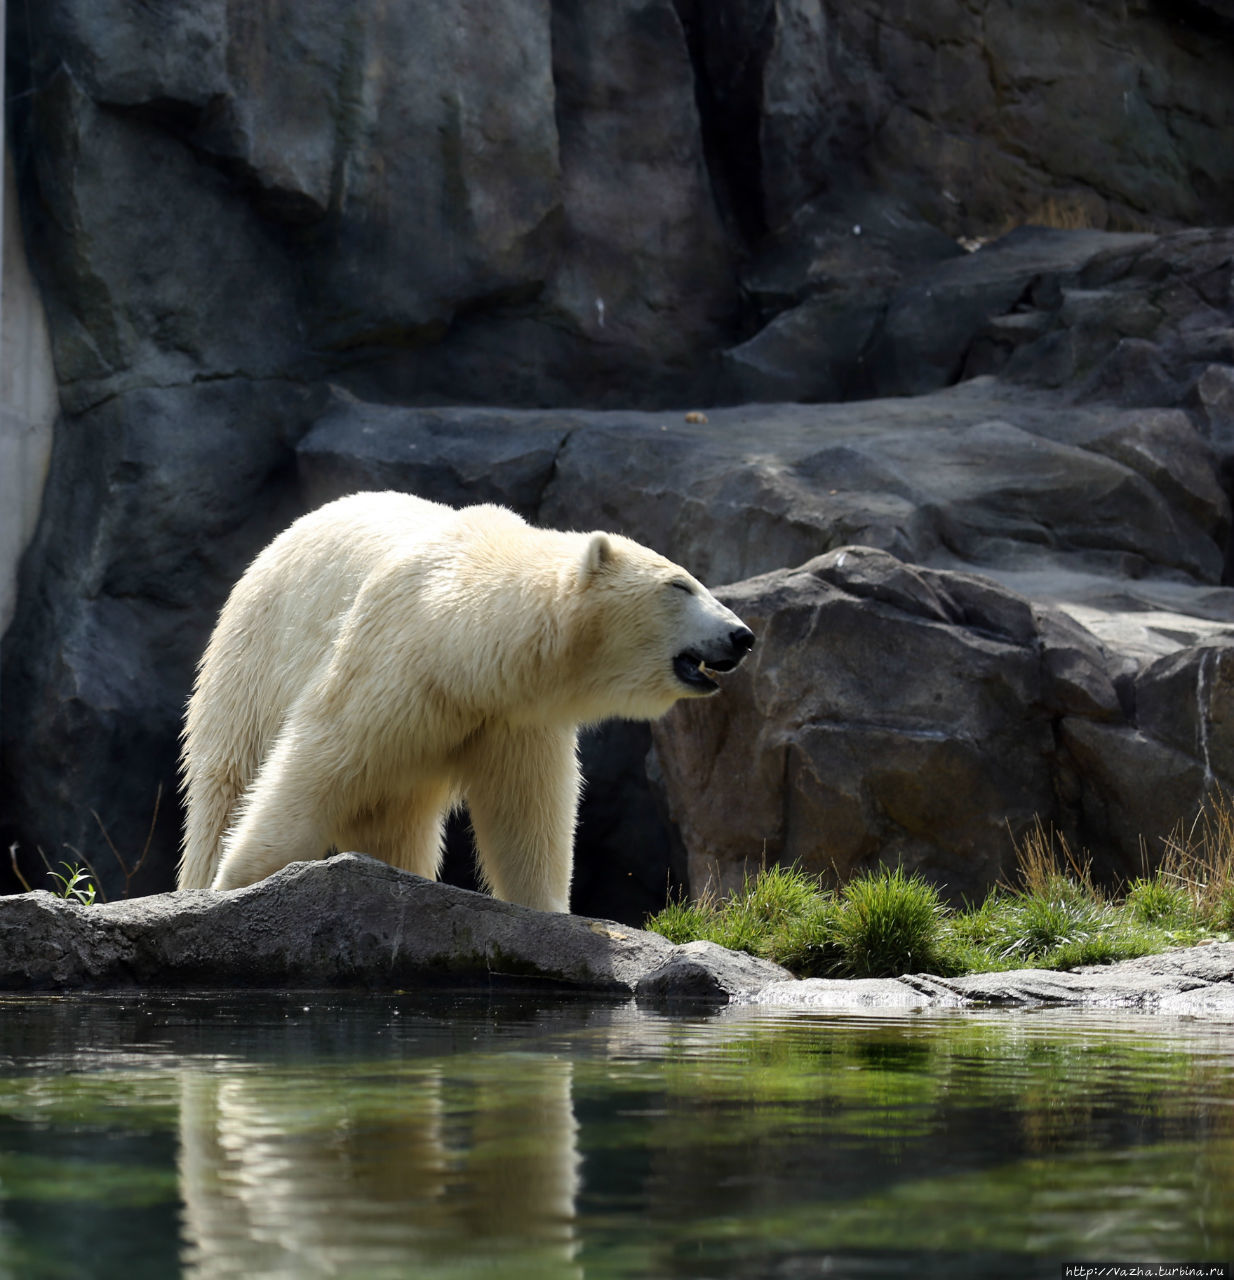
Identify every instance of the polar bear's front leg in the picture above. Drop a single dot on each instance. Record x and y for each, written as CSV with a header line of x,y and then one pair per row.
x,y
280,819
522,788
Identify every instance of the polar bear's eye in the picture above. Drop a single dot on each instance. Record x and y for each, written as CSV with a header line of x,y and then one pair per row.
x,y
682,586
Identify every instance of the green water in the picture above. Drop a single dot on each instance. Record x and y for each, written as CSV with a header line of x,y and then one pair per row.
x,y
393,1136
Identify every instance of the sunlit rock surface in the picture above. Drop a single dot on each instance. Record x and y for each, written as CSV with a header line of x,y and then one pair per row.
x,y
1193,982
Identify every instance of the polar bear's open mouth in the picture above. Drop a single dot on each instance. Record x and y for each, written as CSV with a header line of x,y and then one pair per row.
x,y
692,669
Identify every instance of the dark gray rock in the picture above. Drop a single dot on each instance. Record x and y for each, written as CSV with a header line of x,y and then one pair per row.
x,y
705,971
304,119
1082,677
347,921
1187,700
509,207
639,289
819,289
1141,323
814,352
884,715
854,241
1146,780
157,309
145,526
1130,792
969,114
933,320
973,475
456,456
898,714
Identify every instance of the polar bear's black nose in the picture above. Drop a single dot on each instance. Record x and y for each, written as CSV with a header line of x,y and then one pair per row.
x,y
742,640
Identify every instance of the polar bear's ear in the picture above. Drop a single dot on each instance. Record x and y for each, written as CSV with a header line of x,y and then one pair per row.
x,y
599,555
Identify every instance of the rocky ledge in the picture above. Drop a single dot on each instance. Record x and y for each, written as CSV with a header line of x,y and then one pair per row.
x,y
1190,982
351,921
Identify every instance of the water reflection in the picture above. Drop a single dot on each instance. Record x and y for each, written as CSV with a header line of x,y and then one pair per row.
x,y
282,1174
384,1136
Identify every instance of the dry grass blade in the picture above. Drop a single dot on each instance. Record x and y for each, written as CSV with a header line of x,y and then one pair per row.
x,y
1200,857
129,872
1045,859
16,869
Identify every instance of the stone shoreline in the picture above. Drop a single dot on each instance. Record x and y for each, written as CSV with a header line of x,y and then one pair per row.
x,y
351,921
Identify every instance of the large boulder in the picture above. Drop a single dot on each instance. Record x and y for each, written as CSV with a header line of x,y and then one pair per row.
x,y
888,713
376,184
894,713
350,921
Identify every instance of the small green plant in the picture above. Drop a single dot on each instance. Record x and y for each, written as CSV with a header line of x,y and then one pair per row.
x,y
888,923
1221,915
1157,899
75,884
85,868
1048,867
1199,860
754,918
806,944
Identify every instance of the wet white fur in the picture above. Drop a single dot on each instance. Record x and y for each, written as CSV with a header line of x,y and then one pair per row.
x,y
386,658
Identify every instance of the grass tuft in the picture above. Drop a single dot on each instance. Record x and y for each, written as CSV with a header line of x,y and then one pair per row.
x,y
1158,899
887,922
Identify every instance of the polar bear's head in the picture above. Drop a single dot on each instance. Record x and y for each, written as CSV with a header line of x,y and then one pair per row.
x,y
655,633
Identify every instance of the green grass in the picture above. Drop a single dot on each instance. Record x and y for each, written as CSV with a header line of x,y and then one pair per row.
x,y
883,922
887,922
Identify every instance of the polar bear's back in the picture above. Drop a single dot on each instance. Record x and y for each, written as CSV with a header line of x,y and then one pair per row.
x,y
283,615
276,632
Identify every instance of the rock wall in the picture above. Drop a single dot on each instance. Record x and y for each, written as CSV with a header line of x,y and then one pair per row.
x,y
280,246
28,402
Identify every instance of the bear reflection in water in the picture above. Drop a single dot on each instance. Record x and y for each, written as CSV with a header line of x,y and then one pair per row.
x,y
387,659
283,1178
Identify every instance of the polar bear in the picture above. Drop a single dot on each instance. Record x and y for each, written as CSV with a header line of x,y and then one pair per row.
x,y
387,658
